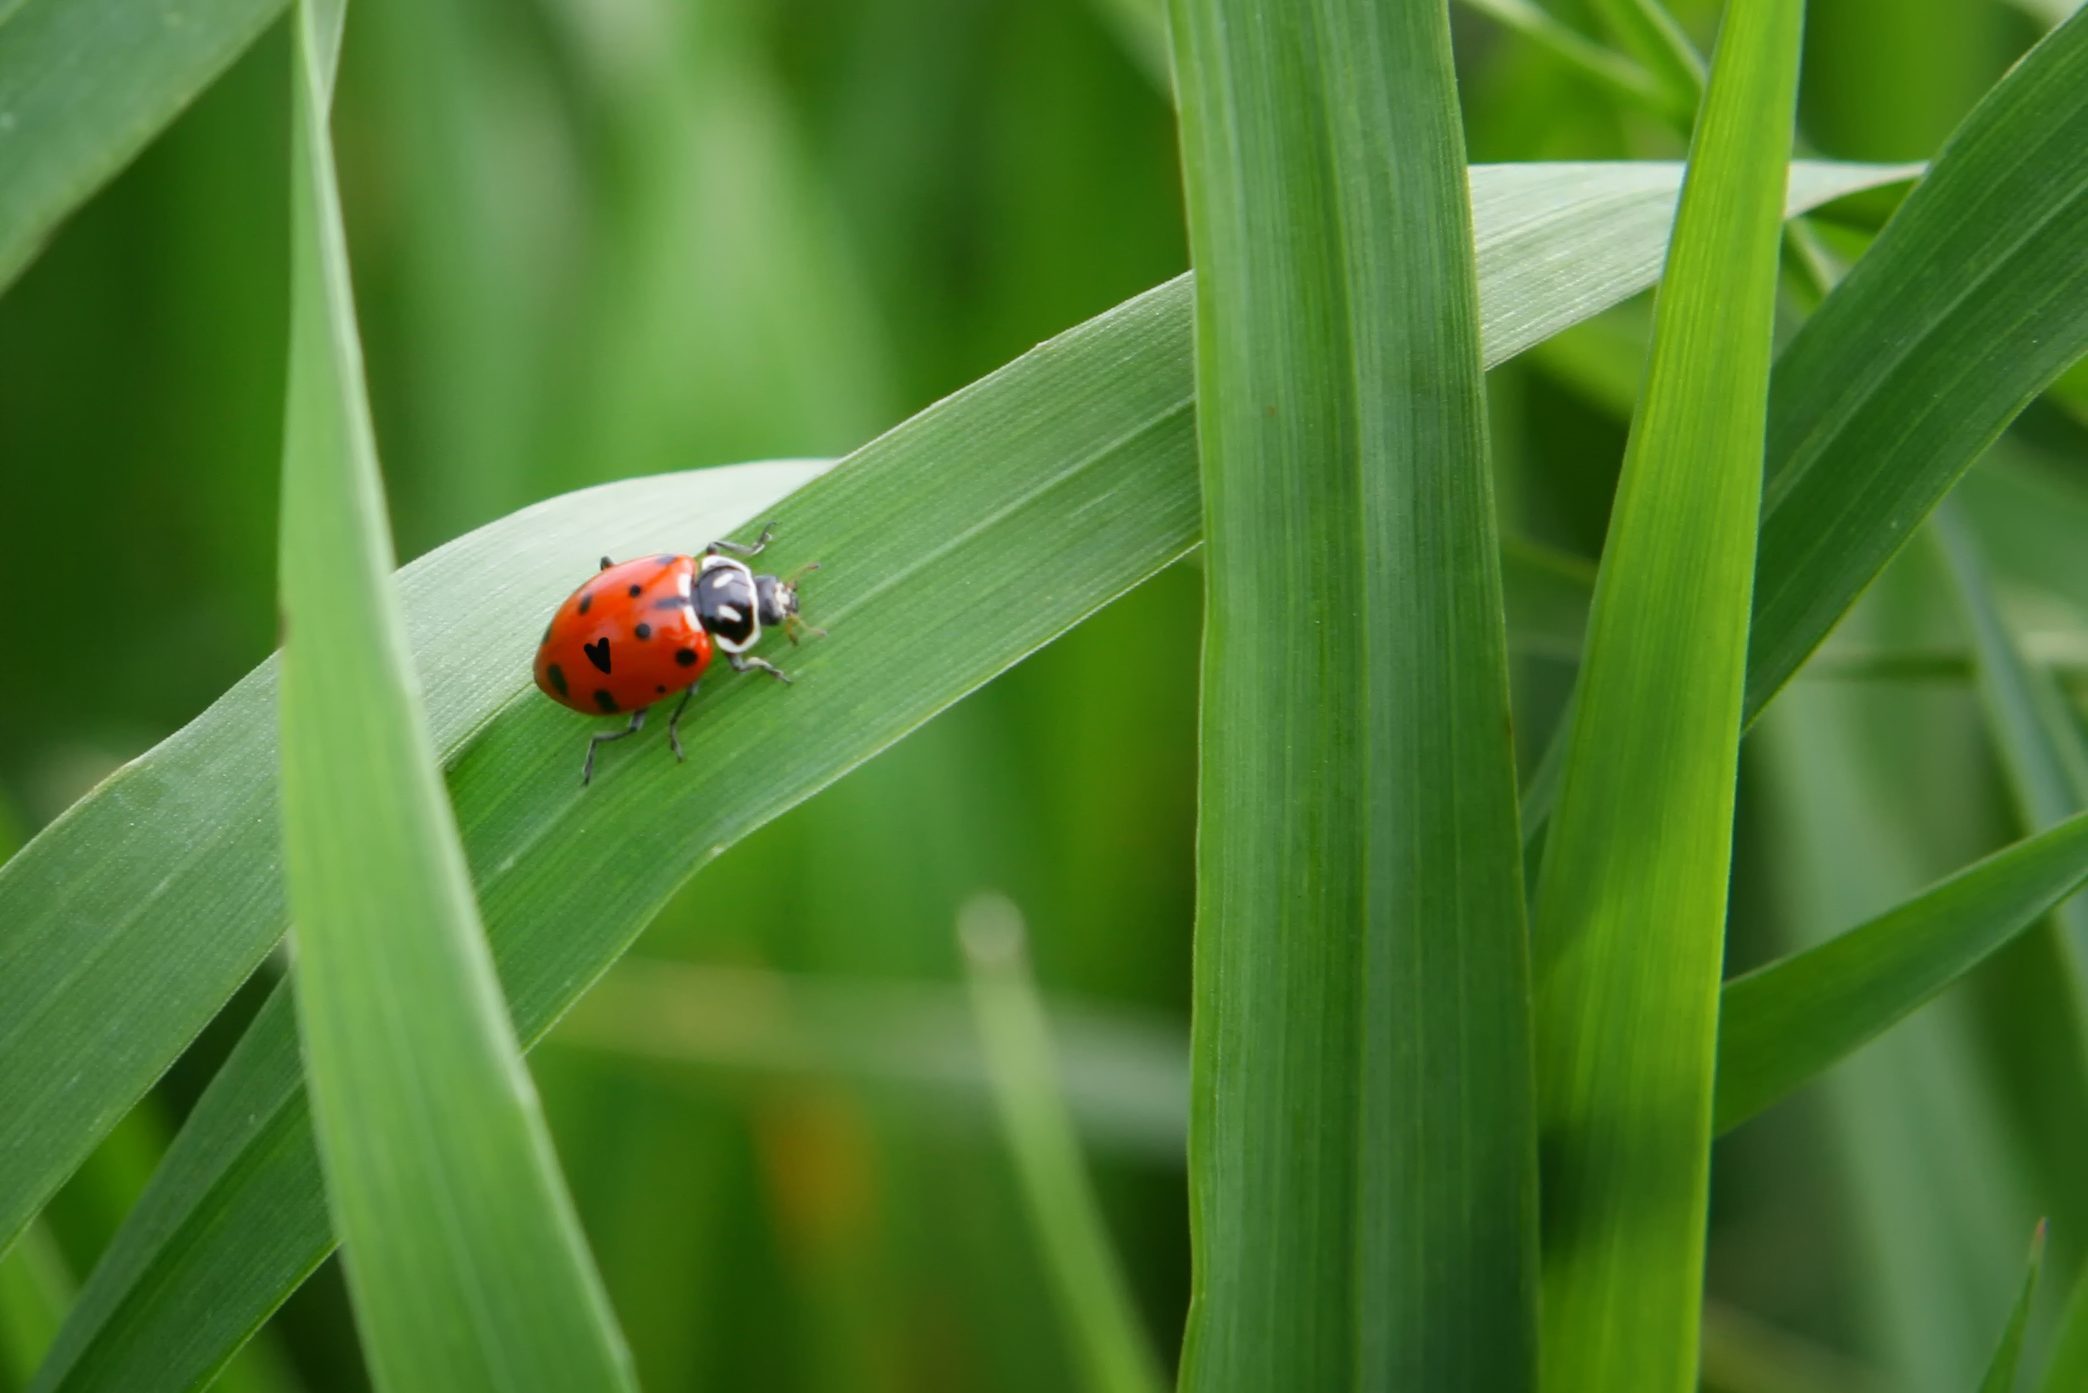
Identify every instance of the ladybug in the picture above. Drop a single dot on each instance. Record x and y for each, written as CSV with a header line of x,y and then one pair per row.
x,y
641,630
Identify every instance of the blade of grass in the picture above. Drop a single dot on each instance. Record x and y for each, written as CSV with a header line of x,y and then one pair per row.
x,y
84,84
1630,909
1617,74
1892,389
464,1256
2066,1366
1783,1024
1093,1299
1887,395
35,1290
1124,1076
1644,29
1362,1145
2001,1373
170,865
2042,750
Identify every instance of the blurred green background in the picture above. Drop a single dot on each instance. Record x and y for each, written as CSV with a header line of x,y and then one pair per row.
x,y
599,238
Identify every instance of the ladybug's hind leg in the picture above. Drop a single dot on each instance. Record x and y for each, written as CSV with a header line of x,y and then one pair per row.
x,y
602,737
674,722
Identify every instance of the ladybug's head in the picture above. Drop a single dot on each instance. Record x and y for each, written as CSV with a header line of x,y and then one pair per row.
x,y
777,600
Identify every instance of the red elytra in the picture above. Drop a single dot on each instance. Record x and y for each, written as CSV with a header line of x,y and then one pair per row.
x,y
641,630
626,638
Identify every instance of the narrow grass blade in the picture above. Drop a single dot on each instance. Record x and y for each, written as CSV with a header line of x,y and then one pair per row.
x,y
1093,1299
1743,1354
84,84
2042,750
170,865
1644,29
2001,1373
1785,1023
2066,1366
1630,910
35,1290
1124,1076
1893,388
1612,70
1362,1146
1547,593
465,1259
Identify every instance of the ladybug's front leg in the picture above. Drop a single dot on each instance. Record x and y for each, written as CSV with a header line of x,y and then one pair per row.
x,y
603,737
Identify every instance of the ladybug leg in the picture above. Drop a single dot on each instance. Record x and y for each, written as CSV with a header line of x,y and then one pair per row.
x,y
741,549
742,663
602,737
674,722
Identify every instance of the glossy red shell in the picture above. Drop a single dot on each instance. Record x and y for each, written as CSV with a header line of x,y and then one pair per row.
x,y
625,639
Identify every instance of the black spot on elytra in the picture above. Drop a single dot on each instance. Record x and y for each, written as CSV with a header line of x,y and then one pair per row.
x,y
635,589
605,701
644,631
598,653
585,600
661,690
557,676
685,656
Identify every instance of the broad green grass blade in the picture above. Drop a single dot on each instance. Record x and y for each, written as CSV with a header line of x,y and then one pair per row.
x,y
84,84
1093,1299
1785,1023
464,1256
1630,910
1972,300
169,866
2001,1373
1362,1143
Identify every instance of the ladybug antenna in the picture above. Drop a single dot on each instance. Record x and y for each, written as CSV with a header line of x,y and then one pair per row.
x,y
805,570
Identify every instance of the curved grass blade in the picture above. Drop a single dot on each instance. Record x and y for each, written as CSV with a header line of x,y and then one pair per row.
x,y
1362,1136
1630,909
84,84
465,1258
1894,387
1076,462
1016,1041
2001,1373
1783,1024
